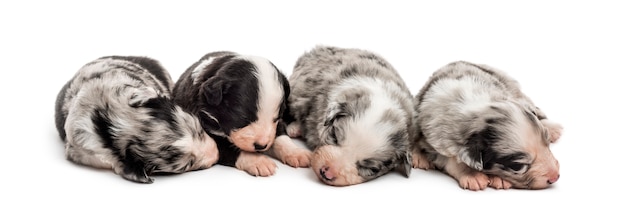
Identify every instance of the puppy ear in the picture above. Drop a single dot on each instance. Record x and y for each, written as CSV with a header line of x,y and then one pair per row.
x,y
135,170
335,110
139,96
552,130
406,160
475,145
213,88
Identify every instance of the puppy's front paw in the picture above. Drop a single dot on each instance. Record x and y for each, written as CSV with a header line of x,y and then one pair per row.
x,y
256,164
420,161
497,182
554,130
475,181
289,153
298,158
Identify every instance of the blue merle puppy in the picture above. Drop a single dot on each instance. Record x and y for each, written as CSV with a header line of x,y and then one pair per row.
x,y
476,125
117,113
354,110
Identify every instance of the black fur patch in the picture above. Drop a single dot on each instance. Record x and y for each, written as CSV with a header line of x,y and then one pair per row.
x,y
228,152
103,127
511,161
133,163
479,145
239,106
163,109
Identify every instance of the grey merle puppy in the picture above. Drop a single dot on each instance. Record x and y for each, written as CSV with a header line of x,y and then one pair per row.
x,y
477,126
354,110
117,113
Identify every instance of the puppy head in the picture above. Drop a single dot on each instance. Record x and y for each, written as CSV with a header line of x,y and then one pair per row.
x,y
246,97
147,132
175,137
512,143
199,150
364,137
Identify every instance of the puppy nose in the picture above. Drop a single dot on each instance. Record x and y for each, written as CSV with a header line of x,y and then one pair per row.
x,y
259,147
326,174
553,179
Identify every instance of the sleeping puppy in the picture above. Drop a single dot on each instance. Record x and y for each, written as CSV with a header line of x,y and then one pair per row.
x,y
477,126
354,110
117,113
240,100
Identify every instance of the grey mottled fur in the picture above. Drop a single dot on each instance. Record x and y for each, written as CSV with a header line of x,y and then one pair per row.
x,y
117,113
333,86
473,114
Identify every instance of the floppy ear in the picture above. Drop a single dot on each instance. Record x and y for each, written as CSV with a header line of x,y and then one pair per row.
x,y
134,169
473,154
335,110
213,88
406,160
140,96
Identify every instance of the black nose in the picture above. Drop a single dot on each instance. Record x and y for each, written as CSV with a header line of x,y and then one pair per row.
x,y
259,147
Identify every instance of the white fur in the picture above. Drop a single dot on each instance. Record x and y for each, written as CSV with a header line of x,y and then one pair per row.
x,y
270,89
367,135
198,70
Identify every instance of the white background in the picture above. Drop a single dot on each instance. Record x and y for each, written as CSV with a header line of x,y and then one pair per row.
x,y
568,55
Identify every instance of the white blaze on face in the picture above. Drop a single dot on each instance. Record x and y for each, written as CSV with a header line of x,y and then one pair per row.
x,y
365,136
262,131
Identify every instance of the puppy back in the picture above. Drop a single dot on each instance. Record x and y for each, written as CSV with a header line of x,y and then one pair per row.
x,y
143,69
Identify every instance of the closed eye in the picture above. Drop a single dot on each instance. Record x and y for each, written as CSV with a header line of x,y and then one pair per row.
x,y
372,167
375,170
519,168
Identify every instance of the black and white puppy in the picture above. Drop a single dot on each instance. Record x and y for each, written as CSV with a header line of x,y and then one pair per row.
x,y
240,100
477,126
355,111
117,113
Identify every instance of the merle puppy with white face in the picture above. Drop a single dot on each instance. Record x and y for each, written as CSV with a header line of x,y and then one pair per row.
x,y
354,110
240,100
477,126
117,113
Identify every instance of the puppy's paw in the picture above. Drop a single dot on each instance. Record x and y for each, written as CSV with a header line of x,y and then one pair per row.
x,y
420,161
298,158
475,181
256,164
497,182
289,153
554,130
294,130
